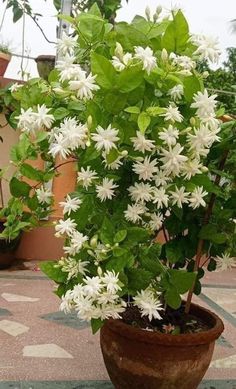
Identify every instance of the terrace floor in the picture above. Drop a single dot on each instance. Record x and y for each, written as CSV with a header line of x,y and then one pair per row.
x,y
41,347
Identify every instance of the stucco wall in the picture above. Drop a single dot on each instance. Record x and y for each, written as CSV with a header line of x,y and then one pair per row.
x,y
10,138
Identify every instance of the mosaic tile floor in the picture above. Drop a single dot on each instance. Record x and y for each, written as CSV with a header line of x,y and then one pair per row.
x,y
43,348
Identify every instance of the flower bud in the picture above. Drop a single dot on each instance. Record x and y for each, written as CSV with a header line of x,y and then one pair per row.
x,y
116,244
205,74
155,17
164,55
90,252
94,241
89,121
192,121
148,13
108,245
99,271
88,143
119,50
124,153
103,251
159,10
204,169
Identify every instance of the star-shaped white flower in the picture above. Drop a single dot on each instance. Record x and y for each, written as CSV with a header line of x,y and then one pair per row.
x,y
146,168
176,92
140,192
42,117
147,58
172,113
70,205
86,176
173,159
225,262
208,47
169,135
179,196
149,304
156,221
134,211
105,138
77,239
160,197
141,143
65,227
84,86
66,44
196,197
44,195
105,191
204,104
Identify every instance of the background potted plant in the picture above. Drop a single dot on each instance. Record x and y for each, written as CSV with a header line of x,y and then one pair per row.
x,y
5,58
127,105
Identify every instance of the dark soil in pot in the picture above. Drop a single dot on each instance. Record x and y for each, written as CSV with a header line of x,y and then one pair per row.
x,y
139,359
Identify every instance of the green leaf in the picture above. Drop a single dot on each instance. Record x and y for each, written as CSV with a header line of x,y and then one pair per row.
x,y
120,236
143,121
129,79
60,113
118,264
119,251
210,232
30,172
176,35
114,102
107,231
182,280
155,111
55,273
112,156
84,213
191,86
152,265
136,234
133,109
174,251
76,106
172,297
19,188
138,279
96,324
104,70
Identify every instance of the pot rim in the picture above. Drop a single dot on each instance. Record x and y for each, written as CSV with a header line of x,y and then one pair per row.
x,y
5,56
197,338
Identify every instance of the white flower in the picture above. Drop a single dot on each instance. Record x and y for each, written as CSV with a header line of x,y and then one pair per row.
x,y
86,310
161,178
202,138
114,165
26,120
43,195
172,113
169,135
208,47
121,63
84,86
69,70
141,143
147,58
179,196
156,221
86,176
149,304
176,92
134,211
111,281
59,146
65,227
106,189
75,134
70,205
92,286
191,168
15,87
42,117
160,197
185,62
77,239
66,44
67,302
105,138
73,267
112,311
196,198
145,169
140,192
204,104
225,262
173,159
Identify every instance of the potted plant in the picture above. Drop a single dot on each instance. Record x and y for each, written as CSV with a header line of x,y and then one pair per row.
x,y
127,106
5,58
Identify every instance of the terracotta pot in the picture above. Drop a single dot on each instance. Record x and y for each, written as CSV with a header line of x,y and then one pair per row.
x,y
4,61
45,63
139,359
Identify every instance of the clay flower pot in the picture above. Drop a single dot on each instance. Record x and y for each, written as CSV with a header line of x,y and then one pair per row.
x,y
139,359
45,63
4,61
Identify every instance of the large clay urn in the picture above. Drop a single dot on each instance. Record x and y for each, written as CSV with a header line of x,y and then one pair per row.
x,y
140,359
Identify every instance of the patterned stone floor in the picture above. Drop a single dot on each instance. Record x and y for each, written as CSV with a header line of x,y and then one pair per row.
x,y
41,347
